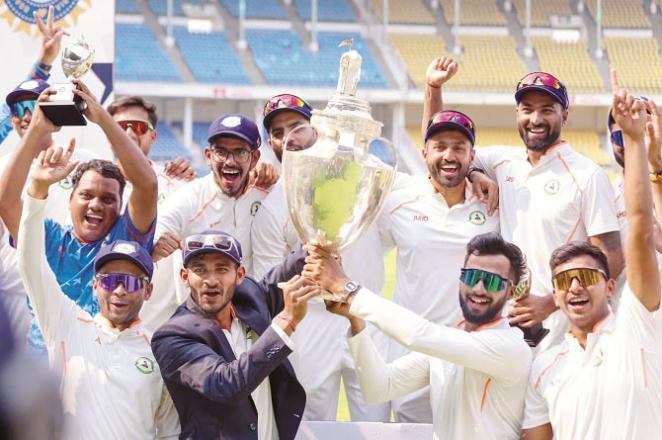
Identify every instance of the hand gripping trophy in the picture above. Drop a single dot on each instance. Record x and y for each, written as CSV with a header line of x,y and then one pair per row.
x,y
65,107
334,187
535,334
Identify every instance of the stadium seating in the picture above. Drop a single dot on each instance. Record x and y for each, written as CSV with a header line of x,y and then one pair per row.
x,y
474,13
160,7
405,12
269,9
127,7
541,11
637,62
417,51
327,10
167,146
570,62
621,13
138,57
210,57
282,58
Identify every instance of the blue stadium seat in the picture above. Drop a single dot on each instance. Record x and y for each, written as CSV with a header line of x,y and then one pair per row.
x,y
270,9
127,7
167,146
210,57
283,60
138,57
327,10
160,7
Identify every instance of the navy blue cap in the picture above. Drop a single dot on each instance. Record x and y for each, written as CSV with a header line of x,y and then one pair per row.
x,y
285,103
542,82
235,125
31,87
212,242
125,250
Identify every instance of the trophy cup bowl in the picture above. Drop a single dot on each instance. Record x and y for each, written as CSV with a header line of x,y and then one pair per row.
x,y
65,107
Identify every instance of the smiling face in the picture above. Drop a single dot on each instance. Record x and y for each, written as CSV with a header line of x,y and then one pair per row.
x,y
478,305
21,124
95,205
282,125
448,155
539,120
212,278
230,173
120,307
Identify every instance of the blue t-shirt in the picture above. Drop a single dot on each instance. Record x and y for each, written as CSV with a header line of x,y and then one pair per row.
x,y
72,262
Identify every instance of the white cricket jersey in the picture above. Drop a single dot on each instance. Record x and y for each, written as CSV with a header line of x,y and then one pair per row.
x,y
612,389
477,379
566,197
200,206
111,385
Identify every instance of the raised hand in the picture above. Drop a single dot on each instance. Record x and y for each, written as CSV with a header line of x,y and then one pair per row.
x,y
440,70
166,245
629,112
51,166
180,169
93,110
296,293
654,136
263,176
51,37
325,269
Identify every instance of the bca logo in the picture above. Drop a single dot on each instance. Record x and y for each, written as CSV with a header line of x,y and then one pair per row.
x,y
552,187
254,207
66,183
144,365
477,218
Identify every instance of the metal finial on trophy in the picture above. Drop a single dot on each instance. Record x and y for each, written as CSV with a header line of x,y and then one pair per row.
x,y
350,70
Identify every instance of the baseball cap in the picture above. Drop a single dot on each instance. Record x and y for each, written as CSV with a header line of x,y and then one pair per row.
x,y
212,242
125,250
542,82
284,103
451,120
235,125
31,88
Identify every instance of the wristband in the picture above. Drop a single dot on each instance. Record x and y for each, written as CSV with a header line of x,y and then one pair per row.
x,y
433,87
290,322
44,67
656,177
471,170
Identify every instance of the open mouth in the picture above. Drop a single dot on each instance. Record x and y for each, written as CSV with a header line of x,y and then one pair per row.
x,y
229,175
478,302
537,132
450,169
93,220
578,304
211,295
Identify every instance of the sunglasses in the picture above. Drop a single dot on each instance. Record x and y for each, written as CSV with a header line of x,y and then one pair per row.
x,y
131,283
540,79
19,108
221,242
454,117
138,127
616,138
585,276
491,281
284,101
240,156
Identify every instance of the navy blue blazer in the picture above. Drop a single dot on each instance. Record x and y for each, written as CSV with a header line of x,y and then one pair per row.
x,y
211,389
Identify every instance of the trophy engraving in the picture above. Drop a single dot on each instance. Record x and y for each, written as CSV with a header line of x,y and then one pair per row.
x,y
535,334
65,107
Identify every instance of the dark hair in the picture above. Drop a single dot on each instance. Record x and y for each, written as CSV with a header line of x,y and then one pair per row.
x,y
575,249
104,167
491,243
134,101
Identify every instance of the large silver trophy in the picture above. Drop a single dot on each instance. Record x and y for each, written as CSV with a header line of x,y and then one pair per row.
x,y
334,186
65,107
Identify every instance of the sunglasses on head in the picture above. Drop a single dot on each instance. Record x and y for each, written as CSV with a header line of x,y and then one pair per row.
x,y
586,277
138,127
19,108
540,79
131,283
217,241
284,101
454,117
491,281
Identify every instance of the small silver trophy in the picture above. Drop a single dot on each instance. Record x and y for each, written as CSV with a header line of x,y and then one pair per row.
x,y
334,187
65,107
535,334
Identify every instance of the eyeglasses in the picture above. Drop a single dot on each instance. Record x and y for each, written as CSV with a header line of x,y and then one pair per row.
x,y
585,276
138,127
540,79
221,242
131,283
19,108
285,101
616,138
240,156
491,281
452,116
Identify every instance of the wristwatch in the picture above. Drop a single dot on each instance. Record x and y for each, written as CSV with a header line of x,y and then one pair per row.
x,y
471,170
656,177
350,289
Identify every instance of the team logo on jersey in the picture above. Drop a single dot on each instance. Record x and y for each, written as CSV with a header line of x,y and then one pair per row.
x,y
477,218
144,365
66,183
19,14
161,198
552,187
254,207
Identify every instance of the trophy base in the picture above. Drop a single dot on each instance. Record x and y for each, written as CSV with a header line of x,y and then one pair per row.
x,y
533,335
64,107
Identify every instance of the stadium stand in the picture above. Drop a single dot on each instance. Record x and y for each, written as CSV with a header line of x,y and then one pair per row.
x,y
138,57
621,13
282,58
127,7
327,10
263,9
417,51
570,62
409,12
637,61
541,11
167,146
210,57
160,7
474,13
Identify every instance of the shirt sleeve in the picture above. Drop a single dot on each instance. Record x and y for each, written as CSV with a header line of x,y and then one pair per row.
x,y
286,339
269,244
500,354
146,239
381,382
53,309
536,412
598,208
638,325
167,419
172,214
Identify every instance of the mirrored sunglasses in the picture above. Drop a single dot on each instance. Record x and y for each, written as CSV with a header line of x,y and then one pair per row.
x,y
491,281
138,127
131,283
539,79
217,241
454,117
586,277
284,101
19,108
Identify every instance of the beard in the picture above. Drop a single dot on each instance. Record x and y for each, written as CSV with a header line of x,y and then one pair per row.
x,y
436,174
488,315
552,136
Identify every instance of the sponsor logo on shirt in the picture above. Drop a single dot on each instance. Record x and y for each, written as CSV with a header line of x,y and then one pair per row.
x,y
552,187
510,179
144,365
420,218
477,218
254,207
